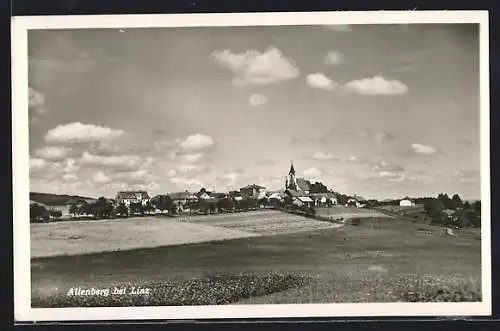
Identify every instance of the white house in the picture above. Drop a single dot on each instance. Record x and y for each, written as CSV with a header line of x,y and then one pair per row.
x,y
406,203
129,197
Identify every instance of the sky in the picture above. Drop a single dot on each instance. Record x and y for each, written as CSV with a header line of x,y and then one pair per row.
x,y
382,111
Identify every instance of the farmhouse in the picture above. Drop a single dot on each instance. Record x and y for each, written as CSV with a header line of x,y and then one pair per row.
x,y
323,198
357,201
299,198
182,199
253,191
130,197
406,202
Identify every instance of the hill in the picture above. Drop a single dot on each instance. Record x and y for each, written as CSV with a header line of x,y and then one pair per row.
x,y
51,199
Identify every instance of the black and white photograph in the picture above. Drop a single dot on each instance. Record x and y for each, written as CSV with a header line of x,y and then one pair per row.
x,y
251,165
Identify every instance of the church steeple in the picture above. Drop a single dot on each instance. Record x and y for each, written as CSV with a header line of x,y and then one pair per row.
x,y
292,170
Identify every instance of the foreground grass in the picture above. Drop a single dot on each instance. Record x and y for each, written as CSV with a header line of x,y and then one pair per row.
x,y
213,290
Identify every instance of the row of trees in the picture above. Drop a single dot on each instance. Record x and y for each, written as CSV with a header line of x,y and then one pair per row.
x,y
39,213
453,211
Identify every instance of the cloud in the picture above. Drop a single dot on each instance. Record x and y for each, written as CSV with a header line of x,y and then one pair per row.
x,y
341,28
392,176
312,173
382,165
257,100
81,133
265,161
254,67
37,164
54,153
101,178
377,85
140,176
319,80
423,149
466,175
322,156
352,159
117,163
187,183
192,157
187,168
333,59
36,101
70,177
197,142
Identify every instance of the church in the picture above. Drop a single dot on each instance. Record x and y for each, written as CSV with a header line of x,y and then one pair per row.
x,y
297,189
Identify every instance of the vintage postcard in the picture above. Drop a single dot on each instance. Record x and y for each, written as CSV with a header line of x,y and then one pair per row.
x,y
203,166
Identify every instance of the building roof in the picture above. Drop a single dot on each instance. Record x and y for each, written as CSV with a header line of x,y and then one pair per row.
x,y
181,195
296,194
305,199
327,195
292,170
303,184
132,195
358,198
252,186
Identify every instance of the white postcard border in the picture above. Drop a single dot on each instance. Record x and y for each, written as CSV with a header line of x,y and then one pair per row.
x,y
20,153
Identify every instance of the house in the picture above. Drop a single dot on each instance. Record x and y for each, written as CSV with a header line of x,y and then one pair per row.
x,y
357,201
299,198
323,198
406,202
182,199
130,197
253,191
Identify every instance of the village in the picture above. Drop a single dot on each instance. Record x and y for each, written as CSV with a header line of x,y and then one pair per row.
x,y
298,193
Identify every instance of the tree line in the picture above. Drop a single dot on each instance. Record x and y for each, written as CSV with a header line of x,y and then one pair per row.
x,y
452,211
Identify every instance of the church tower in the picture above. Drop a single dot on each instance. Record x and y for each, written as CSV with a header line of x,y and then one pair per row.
x,y
291,181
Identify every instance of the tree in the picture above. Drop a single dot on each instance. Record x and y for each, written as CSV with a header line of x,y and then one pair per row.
x,y
202,206
467,206
476,206
458,202
74,210
55,213
225,204
163,203
121,210
318,187
102,208
434,209
212,207
148,207
447,202
86,208
253,203
38,213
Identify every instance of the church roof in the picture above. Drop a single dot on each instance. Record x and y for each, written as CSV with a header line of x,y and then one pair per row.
x,y
303,184
292,170
296,194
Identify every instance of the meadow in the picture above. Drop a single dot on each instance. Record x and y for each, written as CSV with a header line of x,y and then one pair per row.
x,y
381,259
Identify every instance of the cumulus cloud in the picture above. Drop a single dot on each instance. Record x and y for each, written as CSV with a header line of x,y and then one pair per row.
x,y
192,157
377,85
256,100
70,177
254,67
312,173
333,58
36,101
187,168
187,183
53,153
341,28
393,176
81,133
423,149
196,142
322,156
466,175
101,178
381,165
319,80
116,162
37,164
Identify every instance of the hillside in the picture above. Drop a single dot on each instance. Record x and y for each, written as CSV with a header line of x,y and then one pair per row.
x,y
51,199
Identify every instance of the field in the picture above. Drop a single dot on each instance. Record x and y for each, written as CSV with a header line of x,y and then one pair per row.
x,y
379,260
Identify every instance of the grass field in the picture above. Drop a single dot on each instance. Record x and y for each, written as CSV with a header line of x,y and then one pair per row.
x,y
84,237
380,260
